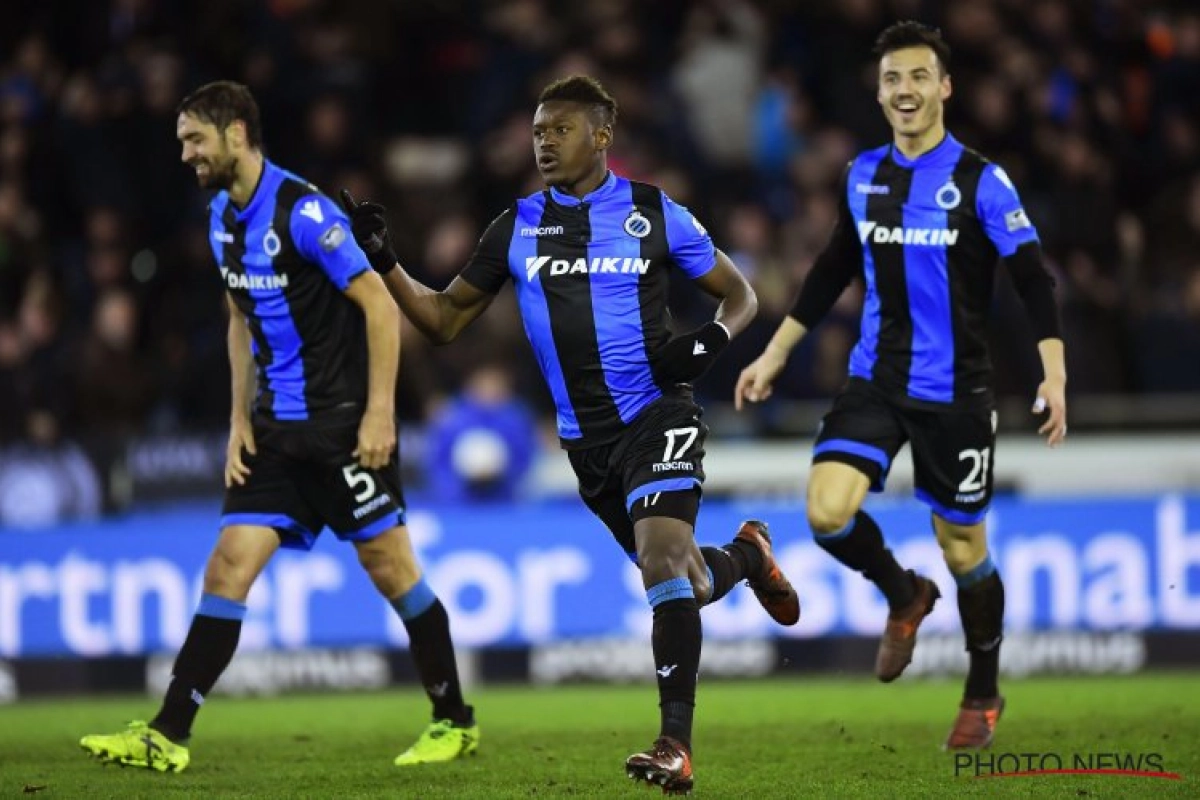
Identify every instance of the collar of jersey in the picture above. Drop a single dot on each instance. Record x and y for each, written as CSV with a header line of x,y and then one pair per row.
x,y
269,177
946,148
605,188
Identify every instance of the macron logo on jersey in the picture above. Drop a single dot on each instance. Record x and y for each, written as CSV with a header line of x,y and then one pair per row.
x,y
253,282
564,266
544,230
921,237
312,210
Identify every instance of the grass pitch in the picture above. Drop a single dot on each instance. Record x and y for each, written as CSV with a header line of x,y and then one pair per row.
x,y
794,738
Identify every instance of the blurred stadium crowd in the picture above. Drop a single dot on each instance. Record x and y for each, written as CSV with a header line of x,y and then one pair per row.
x,y
111,318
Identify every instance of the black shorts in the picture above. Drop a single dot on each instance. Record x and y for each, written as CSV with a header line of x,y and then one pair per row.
x,y
951,450
661,452
304,479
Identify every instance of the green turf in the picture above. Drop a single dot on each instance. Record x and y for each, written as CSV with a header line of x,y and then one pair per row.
x,y
792,738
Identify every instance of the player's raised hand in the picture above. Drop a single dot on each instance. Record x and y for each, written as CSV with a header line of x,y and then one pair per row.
x,y
368,222
754,384
1052,401
376,439
241,439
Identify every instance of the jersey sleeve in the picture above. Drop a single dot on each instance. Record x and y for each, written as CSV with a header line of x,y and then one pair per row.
x,y
688,242
487,270
321,233
1000,210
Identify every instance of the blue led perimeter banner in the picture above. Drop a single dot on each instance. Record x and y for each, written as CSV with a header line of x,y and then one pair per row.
x,y
531,574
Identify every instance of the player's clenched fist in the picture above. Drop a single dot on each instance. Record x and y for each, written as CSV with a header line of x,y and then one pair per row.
x,y
368,222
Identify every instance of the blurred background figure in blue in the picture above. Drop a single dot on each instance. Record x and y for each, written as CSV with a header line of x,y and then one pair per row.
x,y
481,443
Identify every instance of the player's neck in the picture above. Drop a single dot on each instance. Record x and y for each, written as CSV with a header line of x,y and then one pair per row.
x,y
916,146
249,173
588,184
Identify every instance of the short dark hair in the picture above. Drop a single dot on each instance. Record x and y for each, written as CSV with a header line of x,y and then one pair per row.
x,y
582,89
914,34
222,103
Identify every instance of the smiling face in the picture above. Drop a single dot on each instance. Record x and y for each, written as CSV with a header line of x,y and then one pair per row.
x,y
569,143
912,90
213,154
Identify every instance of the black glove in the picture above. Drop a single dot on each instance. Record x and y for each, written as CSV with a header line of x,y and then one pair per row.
x,y
369,225
688,356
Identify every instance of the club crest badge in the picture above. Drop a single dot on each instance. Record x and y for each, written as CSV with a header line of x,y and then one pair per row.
x,y
948,196
636,225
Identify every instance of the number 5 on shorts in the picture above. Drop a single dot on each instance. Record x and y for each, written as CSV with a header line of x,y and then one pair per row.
x,y
355,477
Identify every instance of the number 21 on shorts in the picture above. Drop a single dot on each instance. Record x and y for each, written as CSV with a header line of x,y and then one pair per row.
x,y
977,471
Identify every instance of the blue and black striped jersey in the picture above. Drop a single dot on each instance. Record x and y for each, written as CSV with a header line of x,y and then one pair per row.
x,y
286,259
925,235
591,278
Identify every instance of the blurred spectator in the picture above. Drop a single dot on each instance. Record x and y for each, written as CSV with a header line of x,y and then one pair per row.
x,y
1168,341
46,479
113,379
719,75
480,445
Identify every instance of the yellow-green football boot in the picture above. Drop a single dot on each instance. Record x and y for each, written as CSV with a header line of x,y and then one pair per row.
x,y
139,745
441,741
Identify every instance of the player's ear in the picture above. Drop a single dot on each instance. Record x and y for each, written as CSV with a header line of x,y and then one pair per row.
x,y
235,134
946,89
604,137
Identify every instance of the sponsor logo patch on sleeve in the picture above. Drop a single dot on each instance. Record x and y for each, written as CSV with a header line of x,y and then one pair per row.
x,y
332,239
1016,220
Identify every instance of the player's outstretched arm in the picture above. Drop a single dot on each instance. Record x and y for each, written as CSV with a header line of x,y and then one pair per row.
x,y
443,315
439,315
834,269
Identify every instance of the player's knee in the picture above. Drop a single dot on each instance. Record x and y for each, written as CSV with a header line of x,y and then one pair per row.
x,y
662,564
391,569
388,576
962,558
226,575
962,548
701,588
827,515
